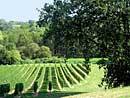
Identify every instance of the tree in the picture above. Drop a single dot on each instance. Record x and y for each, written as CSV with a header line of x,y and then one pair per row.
x,y
44,52
31,50
1,36
12,57
24,39
92,25
113,35
3,53
21,49
4,25
60,32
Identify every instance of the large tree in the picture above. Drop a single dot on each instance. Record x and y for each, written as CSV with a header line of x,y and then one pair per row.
x,y
114,41
69,24
90,25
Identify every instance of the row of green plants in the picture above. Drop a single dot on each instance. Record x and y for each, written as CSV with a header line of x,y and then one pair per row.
x,y
60,76
25,74
49,77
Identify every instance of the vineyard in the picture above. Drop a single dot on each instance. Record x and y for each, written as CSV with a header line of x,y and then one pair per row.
x,y
60,76
67,80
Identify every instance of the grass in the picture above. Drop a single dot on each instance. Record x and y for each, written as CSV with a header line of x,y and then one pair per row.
x,y
112,93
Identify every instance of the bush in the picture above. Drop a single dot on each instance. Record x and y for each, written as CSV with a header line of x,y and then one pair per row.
x,y
38,60
27,61
12,57
35,86
44,52
9,57
31,50
50,86
43,60
10,46
52,60
18,88
4,89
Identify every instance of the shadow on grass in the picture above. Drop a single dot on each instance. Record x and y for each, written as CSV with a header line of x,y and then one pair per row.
x,y
47,95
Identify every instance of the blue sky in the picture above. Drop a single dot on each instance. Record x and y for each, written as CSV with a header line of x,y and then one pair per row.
x,y
21,10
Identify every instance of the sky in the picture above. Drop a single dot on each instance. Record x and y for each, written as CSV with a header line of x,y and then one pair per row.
x,y
21,10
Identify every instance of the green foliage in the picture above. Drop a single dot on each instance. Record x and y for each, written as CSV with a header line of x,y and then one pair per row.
x,y
24,39
50,60
91,26
21,49
18,88
28,61
69,25
3,54
31,50
1,36
113,40
4,25
4,89
10,46
75,60
20,36
44,52
12,57
53,60
37,37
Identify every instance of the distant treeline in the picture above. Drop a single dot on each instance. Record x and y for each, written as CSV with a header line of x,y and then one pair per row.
x,y
21,41
25,41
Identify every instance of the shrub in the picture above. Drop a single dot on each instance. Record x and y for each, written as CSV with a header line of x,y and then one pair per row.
x,y
10,46
38,60
27,61
35,86
4,89
52,60
44,52
43,60
18,88
31,50
13,57
50,86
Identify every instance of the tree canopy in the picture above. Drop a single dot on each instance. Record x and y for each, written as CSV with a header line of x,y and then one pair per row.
x,y
20,41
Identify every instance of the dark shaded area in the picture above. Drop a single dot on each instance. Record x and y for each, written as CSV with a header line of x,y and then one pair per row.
x,y
47,95
4,89
18,88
